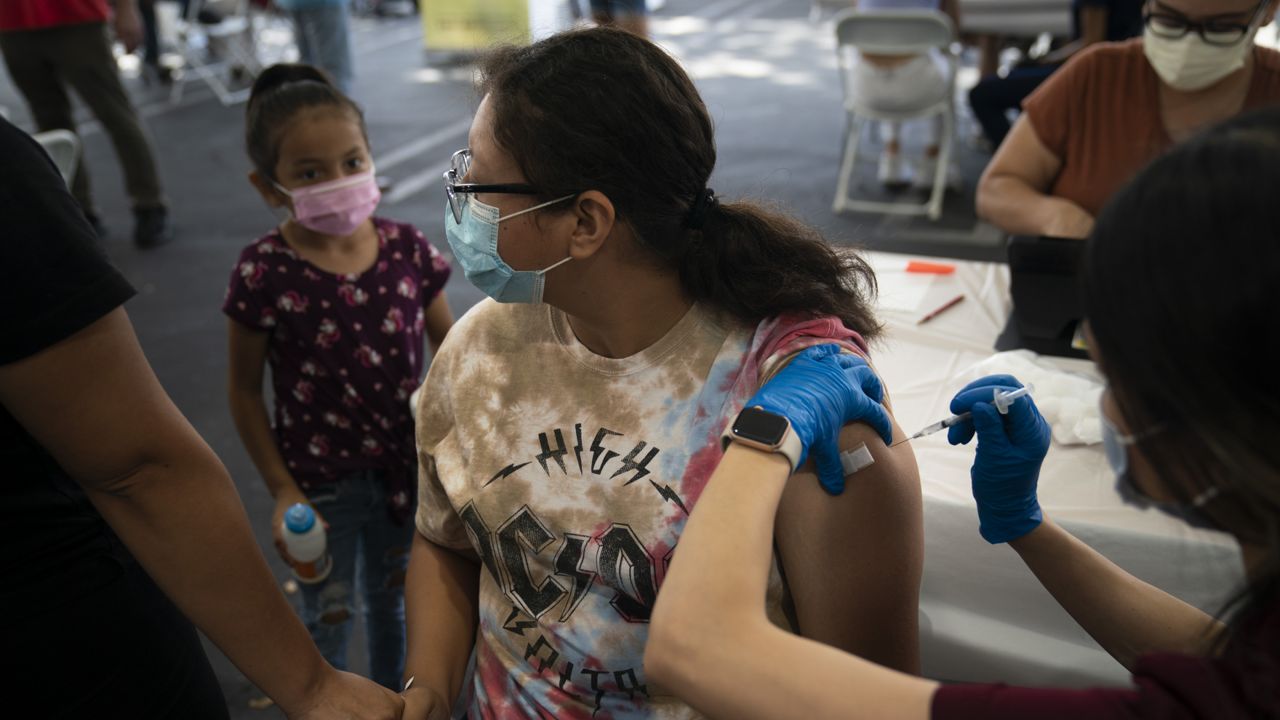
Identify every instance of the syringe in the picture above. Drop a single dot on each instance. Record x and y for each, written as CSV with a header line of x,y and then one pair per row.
x,y
1002,401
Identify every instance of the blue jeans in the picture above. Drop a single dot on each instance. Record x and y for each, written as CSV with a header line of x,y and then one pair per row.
x,y
324,40
370,552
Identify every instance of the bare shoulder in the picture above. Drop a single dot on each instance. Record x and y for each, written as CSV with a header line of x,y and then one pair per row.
x,y
833,547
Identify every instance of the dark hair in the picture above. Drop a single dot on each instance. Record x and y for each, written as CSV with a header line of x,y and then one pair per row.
x,y
278,93
1181,278
606,110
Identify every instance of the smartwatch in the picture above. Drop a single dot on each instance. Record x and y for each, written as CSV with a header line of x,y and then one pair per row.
x,y
758,428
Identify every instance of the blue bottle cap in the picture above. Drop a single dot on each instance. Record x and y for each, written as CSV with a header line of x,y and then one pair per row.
x,y
299,518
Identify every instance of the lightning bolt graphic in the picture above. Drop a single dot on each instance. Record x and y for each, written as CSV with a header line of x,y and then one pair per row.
x,y
667,493
505,473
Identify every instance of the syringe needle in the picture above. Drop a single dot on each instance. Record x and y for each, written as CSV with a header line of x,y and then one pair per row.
x,y
1001,400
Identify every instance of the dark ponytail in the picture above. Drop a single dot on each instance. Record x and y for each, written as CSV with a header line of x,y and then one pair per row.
x,y
279,93
757,263
606,110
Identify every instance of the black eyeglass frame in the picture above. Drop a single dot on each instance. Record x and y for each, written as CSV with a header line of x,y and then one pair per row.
x,y
453,188
1185,26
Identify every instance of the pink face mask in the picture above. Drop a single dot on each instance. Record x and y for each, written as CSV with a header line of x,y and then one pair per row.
x,y
336,207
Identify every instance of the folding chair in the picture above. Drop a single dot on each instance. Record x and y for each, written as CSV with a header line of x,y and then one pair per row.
x,y
233,37
909,32
63,147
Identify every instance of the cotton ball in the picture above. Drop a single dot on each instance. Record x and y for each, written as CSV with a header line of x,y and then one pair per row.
x,y
1089,430
1045,384
1050,407
1072,409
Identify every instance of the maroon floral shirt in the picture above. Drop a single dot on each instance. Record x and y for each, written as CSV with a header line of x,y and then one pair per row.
x,y
345,353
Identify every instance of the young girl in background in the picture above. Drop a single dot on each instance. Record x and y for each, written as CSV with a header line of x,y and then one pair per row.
x,y
336,301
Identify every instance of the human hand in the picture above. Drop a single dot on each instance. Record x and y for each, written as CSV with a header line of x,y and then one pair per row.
x,y
285,500
423,703
1069,220
128,24
1010,450
344,696
820,391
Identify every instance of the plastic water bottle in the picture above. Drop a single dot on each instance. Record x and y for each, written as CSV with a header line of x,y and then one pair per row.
x,y
304,538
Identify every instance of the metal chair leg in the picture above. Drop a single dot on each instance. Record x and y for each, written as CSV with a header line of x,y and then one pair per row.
x,y
850,156
944,165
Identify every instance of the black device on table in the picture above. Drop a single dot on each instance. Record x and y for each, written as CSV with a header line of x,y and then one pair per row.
x,y
1044,275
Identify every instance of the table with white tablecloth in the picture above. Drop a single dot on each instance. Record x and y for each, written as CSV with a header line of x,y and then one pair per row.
x,y
984,617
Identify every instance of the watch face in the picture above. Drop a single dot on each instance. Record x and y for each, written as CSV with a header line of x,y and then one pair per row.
x,y
761,426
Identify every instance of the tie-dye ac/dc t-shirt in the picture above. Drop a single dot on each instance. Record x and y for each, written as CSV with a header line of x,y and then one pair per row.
x,y
570,476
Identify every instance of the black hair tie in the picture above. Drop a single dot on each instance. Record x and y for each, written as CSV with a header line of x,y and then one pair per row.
x,y
703,201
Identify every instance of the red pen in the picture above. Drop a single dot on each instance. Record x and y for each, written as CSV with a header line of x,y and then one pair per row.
x,y
949,304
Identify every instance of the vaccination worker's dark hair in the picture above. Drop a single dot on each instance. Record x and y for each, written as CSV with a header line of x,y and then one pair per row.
x,y
602,109
1181,283
279,93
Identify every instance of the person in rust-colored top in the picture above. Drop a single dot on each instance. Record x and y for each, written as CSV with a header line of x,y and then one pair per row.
x,y
1088,130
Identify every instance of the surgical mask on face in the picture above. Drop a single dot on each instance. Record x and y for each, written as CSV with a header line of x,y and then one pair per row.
x,y
1116,447
1189,63
336,207
474,242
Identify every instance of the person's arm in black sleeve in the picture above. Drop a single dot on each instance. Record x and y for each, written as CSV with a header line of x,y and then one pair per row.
x,y
73,375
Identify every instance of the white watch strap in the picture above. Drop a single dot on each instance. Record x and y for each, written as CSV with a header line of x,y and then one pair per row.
x,y
792,447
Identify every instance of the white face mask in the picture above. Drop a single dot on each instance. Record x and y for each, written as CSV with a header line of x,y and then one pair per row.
x,y
1189,63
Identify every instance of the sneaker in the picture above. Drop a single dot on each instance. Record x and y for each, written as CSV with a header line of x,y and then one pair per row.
x,y
151,227
893,171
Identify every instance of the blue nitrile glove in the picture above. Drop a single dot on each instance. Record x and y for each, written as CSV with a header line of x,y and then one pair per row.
x,y
1010,450
821,391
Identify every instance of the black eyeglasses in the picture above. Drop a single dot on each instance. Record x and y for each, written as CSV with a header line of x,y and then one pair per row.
x,y
457,192
1173,26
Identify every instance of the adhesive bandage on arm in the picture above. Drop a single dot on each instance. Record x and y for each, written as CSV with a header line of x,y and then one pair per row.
x,y
856,459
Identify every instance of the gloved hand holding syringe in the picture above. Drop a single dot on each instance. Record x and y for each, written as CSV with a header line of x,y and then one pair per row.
x,y
1002,401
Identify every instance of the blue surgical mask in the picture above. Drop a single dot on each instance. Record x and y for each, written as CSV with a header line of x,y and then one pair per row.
x,y
474,242
1116,447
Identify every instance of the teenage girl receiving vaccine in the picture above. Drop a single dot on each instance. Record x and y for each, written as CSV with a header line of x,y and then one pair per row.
x,y
337,302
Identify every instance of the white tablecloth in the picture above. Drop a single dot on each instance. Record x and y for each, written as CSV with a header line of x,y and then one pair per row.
x,y
984,617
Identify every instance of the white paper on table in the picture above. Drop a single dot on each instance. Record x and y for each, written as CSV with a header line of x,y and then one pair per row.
x,y
901,290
